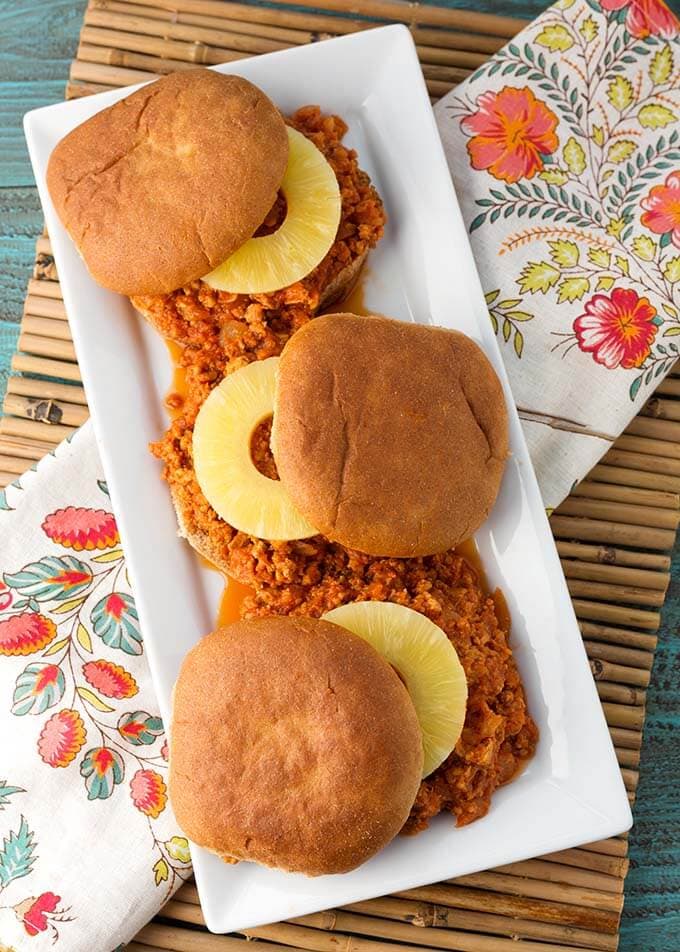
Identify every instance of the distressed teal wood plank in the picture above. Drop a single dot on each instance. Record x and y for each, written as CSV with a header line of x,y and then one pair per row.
x,y
38,39
651,920
510,8
15,100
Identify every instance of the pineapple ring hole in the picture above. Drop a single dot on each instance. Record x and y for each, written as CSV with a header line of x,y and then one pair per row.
x,y
313,209
261,450
275,216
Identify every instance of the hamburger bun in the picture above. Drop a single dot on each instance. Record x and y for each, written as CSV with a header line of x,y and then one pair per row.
x,y
160,188
391,438
340,287
293,744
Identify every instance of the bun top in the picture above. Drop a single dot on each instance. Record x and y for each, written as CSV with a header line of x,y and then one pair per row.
x,y
294,744
390,438
163,186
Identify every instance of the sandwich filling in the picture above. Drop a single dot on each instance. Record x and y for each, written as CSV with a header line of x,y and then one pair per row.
x,y
220,333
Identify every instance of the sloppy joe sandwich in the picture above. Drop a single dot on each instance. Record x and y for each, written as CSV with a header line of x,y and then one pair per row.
x,y
166,184
196,182
293,744
390,438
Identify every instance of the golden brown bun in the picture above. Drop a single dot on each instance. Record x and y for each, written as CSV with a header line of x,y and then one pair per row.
x,y
391,438
160,188
293,744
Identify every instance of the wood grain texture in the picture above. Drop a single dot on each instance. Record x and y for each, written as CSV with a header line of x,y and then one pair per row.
x,y
38,39
651,920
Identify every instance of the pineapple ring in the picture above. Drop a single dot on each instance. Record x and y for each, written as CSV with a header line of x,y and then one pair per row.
x,y
229,480
425,660
305,237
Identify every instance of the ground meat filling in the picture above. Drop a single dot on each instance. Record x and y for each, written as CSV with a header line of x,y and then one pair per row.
x,y
499,734
261,451
275,217
219,333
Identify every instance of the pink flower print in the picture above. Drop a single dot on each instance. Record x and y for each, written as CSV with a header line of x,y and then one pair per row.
x,y
25,633
511,132
149,793
662,208
110,679
62,736
617,330
80,529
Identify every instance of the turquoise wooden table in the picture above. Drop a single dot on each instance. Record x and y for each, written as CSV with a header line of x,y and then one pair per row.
x,y
38,39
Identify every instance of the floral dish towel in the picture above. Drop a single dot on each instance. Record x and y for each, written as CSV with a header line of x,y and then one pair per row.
x,y
565,153
89,848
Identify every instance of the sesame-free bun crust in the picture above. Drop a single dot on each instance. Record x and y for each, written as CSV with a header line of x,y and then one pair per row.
x,y
391,438
160,188
293,744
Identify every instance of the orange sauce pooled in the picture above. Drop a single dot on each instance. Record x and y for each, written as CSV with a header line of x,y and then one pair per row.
x,y
176,395
468,551
233,595
231,602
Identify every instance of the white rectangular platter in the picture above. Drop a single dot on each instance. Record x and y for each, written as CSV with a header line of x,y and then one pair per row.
x,y
423,270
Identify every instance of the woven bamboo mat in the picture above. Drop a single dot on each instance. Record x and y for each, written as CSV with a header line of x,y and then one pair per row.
x,y
613,533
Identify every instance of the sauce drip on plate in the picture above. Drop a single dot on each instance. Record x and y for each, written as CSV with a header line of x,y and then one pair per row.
x,y
231,601
176,395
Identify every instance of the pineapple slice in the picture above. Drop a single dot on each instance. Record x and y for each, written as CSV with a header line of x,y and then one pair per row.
x,y
425,660
275,261
229,480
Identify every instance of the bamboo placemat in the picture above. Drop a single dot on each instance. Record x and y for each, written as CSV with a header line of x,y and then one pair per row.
x,y
613,533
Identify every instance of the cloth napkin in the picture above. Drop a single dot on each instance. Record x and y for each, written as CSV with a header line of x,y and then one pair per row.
x,y
89,848
565,153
